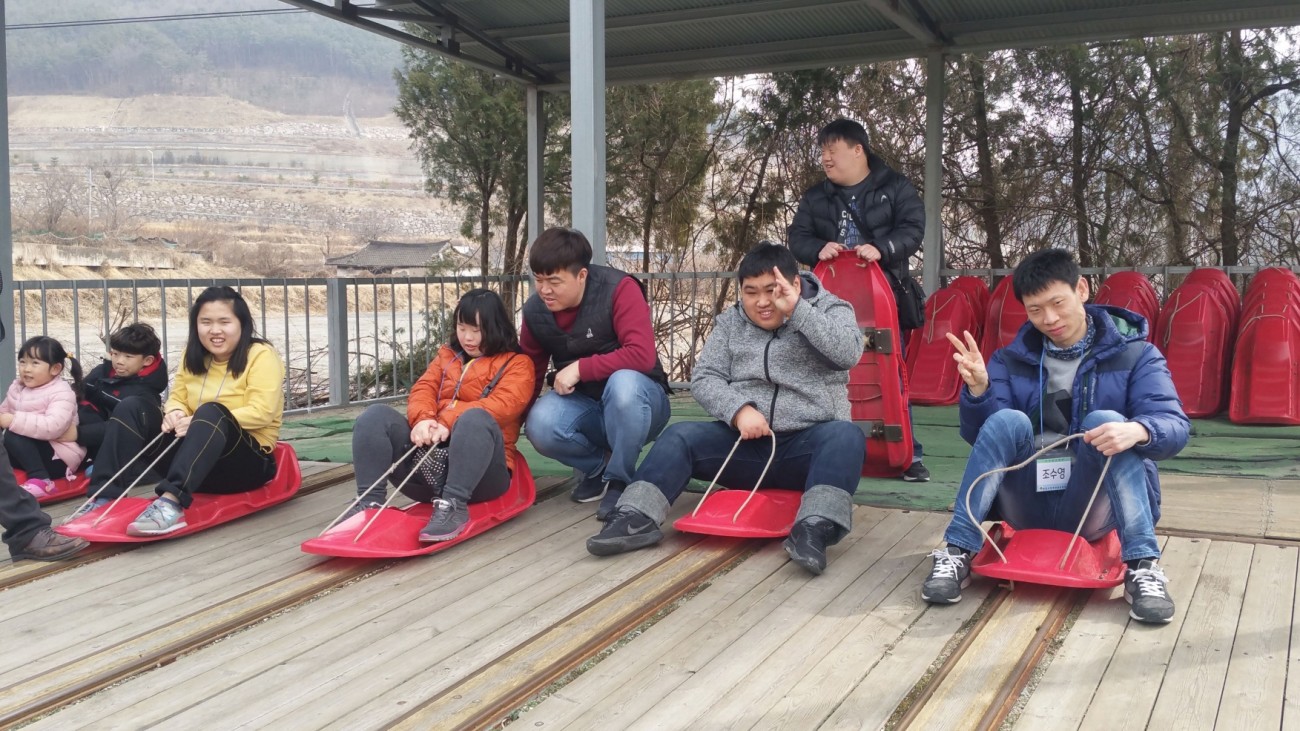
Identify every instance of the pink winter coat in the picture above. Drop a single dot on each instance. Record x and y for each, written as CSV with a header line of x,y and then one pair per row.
x,y
45,413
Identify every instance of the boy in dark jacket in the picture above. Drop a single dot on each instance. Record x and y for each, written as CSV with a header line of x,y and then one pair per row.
x,y
776,363
134,367
1073,368
885,203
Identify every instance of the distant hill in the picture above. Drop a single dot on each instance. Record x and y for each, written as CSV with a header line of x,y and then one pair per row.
x,y
296,63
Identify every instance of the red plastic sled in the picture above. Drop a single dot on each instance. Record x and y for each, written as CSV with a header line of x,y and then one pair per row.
x,y
1265,386
978,294
1134,292
1005,317
1194,333
206,511
1219,281
1033,556
770,514
931,370
878,383
396,532
63,487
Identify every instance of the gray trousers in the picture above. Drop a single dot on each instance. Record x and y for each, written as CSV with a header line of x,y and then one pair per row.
x,y
476,459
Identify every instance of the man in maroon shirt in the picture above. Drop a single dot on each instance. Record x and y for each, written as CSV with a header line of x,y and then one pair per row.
x,y
610,393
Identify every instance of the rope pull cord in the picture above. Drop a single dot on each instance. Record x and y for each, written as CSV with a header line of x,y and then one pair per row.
x,y
1032,458
723,468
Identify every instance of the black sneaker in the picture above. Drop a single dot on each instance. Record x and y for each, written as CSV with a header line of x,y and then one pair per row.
x,y
808,541
610,501
951,574
448,521
1147,589
627,530
589,490
916,473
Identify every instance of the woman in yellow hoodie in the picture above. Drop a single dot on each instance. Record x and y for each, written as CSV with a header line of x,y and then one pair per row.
x,y
226,406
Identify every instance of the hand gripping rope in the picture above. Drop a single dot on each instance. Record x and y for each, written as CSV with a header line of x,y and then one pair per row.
x,y
723,469
1058,443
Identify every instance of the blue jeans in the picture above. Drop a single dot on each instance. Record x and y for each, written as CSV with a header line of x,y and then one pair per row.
x,y
1007,438
829,453
577,430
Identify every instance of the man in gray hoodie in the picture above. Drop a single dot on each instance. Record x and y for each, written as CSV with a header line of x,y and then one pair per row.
x,y
775,364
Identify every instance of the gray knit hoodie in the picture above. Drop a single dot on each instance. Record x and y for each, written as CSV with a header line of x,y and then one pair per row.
x,y
796,376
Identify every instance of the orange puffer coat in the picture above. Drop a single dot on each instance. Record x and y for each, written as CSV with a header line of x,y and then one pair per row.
x,y
454,384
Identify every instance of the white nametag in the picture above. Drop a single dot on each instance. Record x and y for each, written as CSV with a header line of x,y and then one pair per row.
x,y
1053,471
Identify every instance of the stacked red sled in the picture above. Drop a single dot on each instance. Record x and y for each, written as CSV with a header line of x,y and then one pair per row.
x,y
878,383
1133,292
1196,331
931,371
1266,366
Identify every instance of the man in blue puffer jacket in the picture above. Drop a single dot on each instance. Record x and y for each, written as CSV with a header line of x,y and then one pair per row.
x,y
1073,368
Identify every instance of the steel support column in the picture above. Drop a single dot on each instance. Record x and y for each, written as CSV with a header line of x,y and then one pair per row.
x,y
8,349
536,163
587,86
934,93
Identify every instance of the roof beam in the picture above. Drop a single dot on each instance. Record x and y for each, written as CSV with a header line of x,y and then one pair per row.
x,y
743,8
911,17
825,44
348,14
513,58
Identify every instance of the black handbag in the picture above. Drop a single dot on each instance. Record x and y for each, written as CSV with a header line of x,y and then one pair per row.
x,y
431,476
908,294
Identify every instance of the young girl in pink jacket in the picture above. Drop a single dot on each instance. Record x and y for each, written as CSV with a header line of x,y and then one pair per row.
x,y
38,409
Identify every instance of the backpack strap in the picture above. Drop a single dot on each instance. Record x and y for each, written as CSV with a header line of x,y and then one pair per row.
x,y
487,390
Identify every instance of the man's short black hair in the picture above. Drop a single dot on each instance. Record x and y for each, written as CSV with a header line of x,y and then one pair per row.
x,y
135,339
850,132
760,260
1037,272
559,248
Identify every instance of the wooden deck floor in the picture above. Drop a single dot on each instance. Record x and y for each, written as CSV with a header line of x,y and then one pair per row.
x,y
693,633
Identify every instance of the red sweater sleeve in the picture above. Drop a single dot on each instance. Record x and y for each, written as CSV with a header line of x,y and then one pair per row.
x,y
635,335
540,358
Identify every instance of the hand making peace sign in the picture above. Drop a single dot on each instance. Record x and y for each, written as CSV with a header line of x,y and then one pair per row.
x,y
785,298
970,363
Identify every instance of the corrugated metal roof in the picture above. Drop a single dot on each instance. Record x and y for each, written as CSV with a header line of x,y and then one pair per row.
x,y
649,40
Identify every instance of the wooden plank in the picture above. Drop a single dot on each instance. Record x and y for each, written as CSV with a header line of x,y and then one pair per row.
x,y
1232,505
571,641
1061,696
439,628
970,688
1128,689
631,695
1283,509
1291,701
1193,685
1256,682
143,599
911,650
329,626
160,646
561,708
815,636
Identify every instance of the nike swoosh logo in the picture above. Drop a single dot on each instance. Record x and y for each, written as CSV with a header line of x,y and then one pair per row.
x,y
634,528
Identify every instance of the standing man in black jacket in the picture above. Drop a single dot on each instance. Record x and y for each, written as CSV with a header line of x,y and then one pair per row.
x,y
883,202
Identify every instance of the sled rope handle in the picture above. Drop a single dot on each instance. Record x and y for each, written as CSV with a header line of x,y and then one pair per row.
x,y
415,468
723,468
366,491
136,481
103,487
1058,443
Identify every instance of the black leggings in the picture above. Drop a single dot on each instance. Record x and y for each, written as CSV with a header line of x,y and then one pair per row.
x,y
34,456
216,455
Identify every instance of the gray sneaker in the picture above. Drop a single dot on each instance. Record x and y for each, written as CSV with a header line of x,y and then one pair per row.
x,y
87,509
1147,589
951,574
360,507
448,521
161,517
